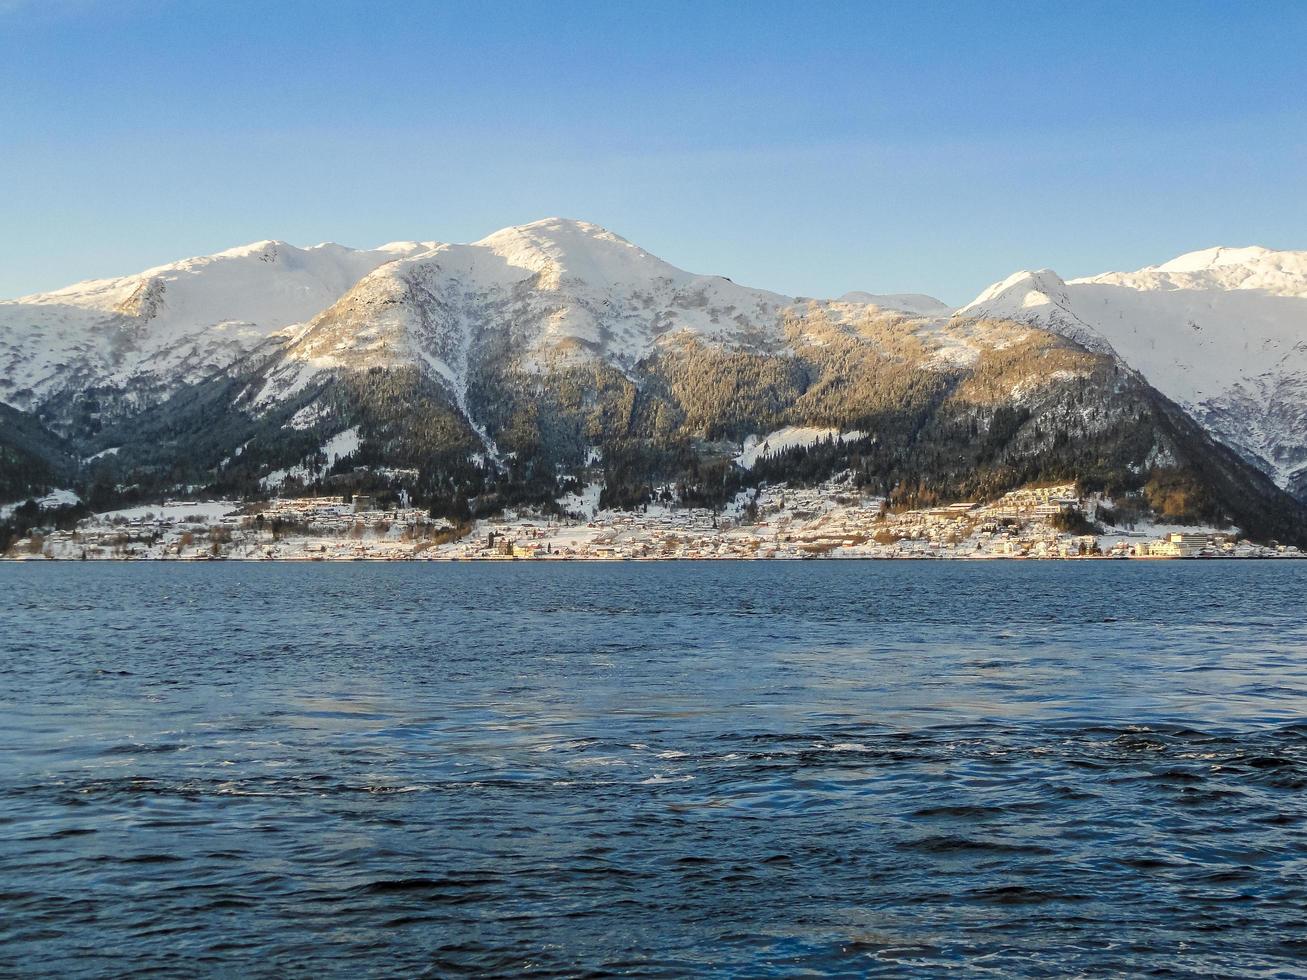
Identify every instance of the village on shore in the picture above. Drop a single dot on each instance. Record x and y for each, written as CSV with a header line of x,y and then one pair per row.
x,y
832,520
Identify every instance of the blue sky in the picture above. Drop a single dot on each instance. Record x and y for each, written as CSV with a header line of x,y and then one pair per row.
x,y
807,148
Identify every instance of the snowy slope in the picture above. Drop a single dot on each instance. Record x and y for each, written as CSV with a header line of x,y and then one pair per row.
x,y
554,291
549,293
790,437
915,303
175,322
1222,331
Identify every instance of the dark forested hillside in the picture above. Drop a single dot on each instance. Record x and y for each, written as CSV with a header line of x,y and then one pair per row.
x,y
32,458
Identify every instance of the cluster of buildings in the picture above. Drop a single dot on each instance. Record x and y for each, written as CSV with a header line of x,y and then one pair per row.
x,y
335,528
832,520
658,532
301,527
327,515
173,529
1033,503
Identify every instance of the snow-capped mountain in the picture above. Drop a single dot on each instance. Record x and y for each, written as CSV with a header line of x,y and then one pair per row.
x,y
174,323
487,372
555,288
553,291
1222,331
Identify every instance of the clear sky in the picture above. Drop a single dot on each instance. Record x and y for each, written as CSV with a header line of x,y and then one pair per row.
x,y
810,148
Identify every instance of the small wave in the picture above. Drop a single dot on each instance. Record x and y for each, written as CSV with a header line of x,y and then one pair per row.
x,y
144,748
949,843
1023,895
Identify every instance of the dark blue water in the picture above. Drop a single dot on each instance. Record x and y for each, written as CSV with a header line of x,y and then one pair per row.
x,y
659,769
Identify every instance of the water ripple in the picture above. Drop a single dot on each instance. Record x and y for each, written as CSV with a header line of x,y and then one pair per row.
x,y
742,770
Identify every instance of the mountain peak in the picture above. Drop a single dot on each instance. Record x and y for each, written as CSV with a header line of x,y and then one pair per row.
x,y
559,225
1219,330
555,230
1020,292
573,249
1221,268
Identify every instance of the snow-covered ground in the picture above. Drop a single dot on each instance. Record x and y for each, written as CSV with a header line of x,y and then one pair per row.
x,y
917,304
569,289
52,500
173,510
584,504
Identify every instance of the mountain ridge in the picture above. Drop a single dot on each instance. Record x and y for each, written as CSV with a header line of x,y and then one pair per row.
x,y
492,370
1222,331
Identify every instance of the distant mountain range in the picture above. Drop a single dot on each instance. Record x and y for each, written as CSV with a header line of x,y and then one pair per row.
x,y
502,371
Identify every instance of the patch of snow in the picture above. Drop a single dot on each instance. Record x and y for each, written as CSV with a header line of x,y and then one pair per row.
x,y
52,500
584,504
1024,389
208,511
308,416
336,448
341,445
790,437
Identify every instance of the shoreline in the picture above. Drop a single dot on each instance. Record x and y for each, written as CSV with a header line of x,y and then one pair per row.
x,y
545,559
826,522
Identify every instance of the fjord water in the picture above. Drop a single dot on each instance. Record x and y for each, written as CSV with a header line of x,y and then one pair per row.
x,y
755,769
